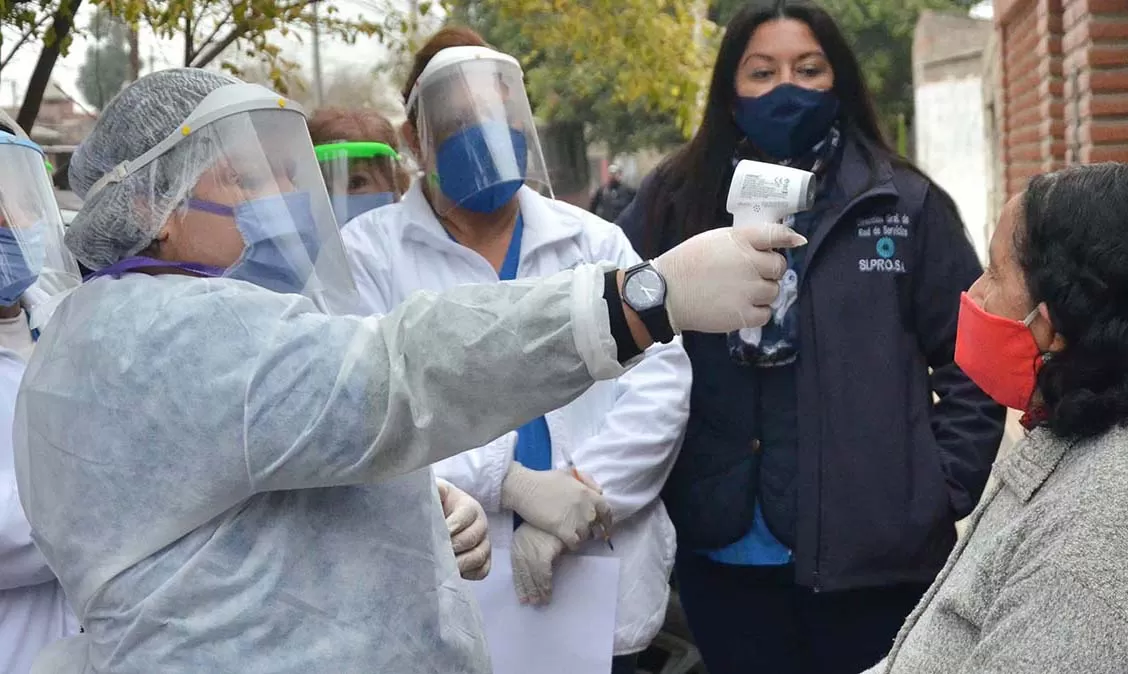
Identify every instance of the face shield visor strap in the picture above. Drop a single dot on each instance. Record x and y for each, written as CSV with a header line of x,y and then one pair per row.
x,y
477,137
360,176
225,101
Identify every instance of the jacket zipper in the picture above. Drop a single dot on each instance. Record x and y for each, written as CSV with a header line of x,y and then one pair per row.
x,y
816,580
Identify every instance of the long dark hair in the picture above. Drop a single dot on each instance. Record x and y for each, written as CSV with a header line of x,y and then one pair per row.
x,y
1070,244
692,182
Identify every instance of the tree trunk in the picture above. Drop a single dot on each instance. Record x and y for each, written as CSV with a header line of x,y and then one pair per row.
x,y
134,55
61,25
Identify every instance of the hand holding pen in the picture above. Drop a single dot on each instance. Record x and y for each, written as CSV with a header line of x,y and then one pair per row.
x,y
592,484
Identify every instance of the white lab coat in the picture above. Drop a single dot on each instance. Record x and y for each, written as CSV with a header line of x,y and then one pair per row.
x,y
625,433
33,608
240,482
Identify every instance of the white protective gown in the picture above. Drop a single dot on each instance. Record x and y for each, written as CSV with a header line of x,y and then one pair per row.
x,y
33,608
625,433
241,484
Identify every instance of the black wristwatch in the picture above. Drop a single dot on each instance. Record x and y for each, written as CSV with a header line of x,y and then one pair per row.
x,y
644,291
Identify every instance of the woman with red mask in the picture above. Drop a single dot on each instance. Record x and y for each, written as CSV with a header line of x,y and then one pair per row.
x,y
820,480
1039,582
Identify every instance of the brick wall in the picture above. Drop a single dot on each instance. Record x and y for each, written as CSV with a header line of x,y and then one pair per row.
x,y
1062,86
1095,45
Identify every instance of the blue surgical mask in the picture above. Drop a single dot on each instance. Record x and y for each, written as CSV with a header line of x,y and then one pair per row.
x,y
788,120
20,261
348,206
467,172
281,237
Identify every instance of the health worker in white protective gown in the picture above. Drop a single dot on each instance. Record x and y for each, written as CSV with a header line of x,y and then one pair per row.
x,y
483,212
33,607
241,484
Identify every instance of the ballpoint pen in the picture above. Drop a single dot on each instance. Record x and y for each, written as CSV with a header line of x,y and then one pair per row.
x,y
576,474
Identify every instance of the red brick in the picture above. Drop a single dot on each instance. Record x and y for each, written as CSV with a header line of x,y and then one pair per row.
x,y
1025,116
1025,134
1102,55
1004,9
1107,80
1051,128
1030,152
1105,131
1105,105
1105,6
1051,87
1093,154
1108,28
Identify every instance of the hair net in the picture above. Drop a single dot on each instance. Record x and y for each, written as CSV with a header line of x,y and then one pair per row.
x,y
122,219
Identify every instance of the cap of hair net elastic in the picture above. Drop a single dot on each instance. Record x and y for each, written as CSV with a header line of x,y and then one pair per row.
x,y
123,218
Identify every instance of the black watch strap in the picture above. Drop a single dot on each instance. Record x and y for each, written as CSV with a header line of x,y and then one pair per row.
x,y
620,329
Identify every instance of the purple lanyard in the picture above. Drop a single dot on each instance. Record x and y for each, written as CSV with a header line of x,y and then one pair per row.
x,y
139,263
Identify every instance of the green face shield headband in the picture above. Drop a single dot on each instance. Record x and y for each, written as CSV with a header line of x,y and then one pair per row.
x,y
354,150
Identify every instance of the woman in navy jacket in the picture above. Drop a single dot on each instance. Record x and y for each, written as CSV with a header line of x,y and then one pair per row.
x,y
827,457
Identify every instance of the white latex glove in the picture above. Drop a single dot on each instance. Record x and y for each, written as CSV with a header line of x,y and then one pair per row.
x,y
469,531
533,554
725,279
556,502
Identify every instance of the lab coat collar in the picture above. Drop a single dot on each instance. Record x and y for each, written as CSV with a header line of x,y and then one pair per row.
x,y
544,225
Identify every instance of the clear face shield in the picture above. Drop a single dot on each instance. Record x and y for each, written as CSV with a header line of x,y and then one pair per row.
x,y
477,139
31,227
360,176
250,197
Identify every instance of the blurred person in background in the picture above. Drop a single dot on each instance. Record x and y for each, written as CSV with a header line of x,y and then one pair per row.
x,y
817,490
1038,583
358,151
475,217
33,276
33,606
612,197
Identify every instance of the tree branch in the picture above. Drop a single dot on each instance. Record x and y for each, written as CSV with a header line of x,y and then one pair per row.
x,y
23,38
239,30
215,31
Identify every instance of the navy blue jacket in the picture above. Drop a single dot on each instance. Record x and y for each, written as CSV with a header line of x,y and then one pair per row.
x,y
883,471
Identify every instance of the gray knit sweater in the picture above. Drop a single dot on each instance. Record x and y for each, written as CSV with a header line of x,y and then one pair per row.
x,y
1039,583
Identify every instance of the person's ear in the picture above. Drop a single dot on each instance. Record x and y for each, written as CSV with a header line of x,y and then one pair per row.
x,y
411,137
1057,342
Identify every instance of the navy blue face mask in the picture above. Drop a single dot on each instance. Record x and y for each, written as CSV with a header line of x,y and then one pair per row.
x,y
280,233
348,206
468,174
787,121
17,257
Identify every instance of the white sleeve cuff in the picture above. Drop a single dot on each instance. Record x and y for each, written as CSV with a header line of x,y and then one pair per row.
x,y
591,326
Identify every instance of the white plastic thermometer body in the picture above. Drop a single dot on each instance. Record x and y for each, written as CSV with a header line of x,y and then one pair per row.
x,y
762,195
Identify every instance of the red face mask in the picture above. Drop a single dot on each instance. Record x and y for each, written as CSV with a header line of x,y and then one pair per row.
x,y
998,354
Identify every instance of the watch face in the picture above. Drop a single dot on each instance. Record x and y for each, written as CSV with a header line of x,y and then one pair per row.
x,y
645,289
